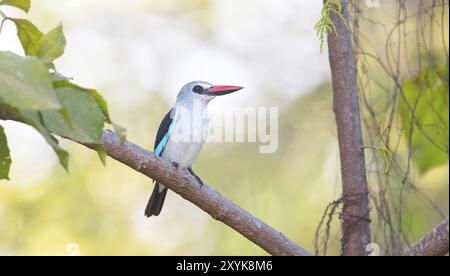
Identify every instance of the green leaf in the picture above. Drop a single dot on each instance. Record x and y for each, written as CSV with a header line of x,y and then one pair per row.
x,y
5,158
121,131
103,105
21,4
101,154
25,83
427,95
34,118
29,36
86,118
52,45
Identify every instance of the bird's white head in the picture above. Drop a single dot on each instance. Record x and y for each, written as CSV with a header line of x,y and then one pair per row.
x,y
204,91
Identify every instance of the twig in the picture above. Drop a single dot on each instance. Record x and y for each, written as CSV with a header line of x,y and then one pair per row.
x,y
434,243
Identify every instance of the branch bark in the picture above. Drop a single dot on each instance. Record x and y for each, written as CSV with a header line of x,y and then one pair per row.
x,y
355,215
205,197
434,243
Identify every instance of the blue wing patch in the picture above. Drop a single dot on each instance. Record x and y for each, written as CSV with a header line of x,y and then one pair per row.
x,y
165,128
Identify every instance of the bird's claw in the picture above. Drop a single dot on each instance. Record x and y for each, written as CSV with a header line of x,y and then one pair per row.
x,y
196,177
200,182
176,165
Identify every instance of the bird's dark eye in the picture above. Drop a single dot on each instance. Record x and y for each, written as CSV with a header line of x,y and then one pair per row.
x,y
197,89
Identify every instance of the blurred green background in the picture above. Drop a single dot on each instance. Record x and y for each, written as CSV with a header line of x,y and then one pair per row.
x,y
138,54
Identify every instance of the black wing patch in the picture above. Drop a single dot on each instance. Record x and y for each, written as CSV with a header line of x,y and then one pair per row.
x,y
163,129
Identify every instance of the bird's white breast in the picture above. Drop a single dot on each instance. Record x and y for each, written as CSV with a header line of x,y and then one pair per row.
x,y
186,140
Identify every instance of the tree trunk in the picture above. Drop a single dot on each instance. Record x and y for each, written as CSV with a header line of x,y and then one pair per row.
x,y
355,215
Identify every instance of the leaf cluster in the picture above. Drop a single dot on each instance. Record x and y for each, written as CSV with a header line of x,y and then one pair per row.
x,y
32,89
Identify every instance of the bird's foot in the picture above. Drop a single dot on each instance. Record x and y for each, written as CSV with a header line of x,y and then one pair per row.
x,y
200,181
176,165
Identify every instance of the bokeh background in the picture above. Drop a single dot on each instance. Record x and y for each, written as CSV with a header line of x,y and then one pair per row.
x,y
138,54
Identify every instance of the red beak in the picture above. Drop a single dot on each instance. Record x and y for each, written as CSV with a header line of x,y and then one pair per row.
x,y
219,90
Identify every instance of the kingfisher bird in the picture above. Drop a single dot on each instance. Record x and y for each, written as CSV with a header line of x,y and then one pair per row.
x,y
182,132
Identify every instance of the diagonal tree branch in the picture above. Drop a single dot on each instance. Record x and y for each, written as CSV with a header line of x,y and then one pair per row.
x,y
434,243
355,214
205,197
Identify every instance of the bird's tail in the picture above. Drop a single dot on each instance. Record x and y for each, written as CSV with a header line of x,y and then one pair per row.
x,y
156,201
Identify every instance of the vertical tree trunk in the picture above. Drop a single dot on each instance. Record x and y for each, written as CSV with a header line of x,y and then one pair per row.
x,y
355,215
